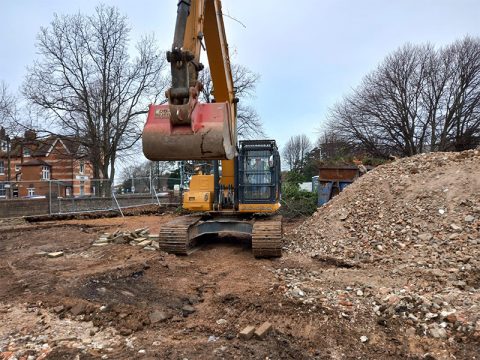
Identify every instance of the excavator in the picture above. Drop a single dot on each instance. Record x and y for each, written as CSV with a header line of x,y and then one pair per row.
x,y
242,196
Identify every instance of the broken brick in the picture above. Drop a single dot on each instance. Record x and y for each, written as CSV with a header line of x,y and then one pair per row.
x,y
247,333
263,330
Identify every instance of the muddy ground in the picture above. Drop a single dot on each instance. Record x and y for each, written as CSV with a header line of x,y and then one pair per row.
x,y
123,302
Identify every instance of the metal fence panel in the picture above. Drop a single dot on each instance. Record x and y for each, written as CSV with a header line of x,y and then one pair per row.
x,y
88,195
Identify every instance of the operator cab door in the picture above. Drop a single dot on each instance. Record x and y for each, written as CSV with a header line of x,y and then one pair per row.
x,y
259,170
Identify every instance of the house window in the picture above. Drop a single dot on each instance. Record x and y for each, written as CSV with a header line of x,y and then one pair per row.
x,y
31,191
2,189
17,167
4,146
26,152
82,188
68,191
45,172
82,167
2,167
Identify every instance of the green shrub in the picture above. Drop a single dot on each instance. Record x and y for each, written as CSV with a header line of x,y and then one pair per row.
x,y
296,202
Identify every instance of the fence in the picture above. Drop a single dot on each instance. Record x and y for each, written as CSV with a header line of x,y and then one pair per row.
x,y
20,198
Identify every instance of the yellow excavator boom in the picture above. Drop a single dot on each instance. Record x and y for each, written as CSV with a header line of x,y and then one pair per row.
x,y
185,128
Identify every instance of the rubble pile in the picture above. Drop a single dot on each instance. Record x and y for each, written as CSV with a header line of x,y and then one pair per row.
x,y
442,314
34,332
418,203
310,289
8,222
417,218
139,237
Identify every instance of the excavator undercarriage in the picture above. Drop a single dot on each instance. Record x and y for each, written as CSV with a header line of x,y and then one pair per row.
x,y
180,235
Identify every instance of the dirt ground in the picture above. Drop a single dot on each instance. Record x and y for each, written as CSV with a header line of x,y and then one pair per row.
x,y
123,302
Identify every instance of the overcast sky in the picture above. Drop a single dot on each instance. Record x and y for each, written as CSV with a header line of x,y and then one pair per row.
x,y
308,53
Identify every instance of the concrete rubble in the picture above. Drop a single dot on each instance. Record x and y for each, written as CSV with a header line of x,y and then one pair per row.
x,y
138,237
55,254
417,222
51,332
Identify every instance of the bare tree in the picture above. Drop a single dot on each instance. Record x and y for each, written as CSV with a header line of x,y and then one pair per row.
x,y
457,114
385,109
418,99
249,124
147,168
295,152
331,146
245,83
88,86
8,110
6,101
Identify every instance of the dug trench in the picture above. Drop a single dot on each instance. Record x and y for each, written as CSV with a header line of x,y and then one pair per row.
x,y
123,302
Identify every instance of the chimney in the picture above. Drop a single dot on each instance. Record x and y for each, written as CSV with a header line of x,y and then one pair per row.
x,y
30,135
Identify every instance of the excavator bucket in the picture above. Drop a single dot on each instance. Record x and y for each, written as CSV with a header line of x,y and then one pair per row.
x,y
206,134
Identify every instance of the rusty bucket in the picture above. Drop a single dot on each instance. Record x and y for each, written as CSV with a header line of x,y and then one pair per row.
x,y
207,135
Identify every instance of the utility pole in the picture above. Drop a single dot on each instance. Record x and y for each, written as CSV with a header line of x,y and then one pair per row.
x,y
157,173
151,180
8,168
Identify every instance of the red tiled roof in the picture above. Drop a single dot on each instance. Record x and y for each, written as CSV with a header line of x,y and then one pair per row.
x,y
41,146
34,162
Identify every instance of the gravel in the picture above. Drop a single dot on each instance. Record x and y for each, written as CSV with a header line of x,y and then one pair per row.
x,y
417,218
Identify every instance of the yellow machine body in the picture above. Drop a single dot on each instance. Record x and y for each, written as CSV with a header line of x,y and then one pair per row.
x,y
200,195
248,181
258,208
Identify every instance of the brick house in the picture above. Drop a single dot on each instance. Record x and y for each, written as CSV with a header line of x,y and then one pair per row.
x,y
38,166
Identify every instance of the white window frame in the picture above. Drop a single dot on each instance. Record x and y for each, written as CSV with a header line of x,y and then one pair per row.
x,y
2,167
3,190
18,167
26,153
4,146
82,167
45,172
82,188
31,191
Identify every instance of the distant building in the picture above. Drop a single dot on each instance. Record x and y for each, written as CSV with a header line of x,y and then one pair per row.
x,y
306,186
39,165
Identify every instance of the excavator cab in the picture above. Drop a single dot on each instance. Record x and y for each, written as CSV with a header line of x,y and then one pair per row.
x,y
258,176
248,184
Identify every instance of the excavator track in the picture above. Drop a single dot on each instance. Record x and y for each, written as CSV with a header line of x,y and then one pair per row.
x,y
174,236
267,237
